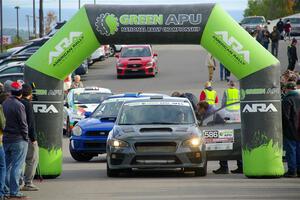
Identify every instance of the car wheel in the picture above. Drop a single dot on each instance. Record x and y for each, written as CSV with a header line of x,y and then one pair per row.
x,y
201,171
112,172
68,131
80,157
112,51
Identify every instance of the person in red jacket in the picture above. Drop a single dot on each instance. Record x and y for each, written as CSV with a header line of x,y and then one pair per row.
x,y
287,29
209,95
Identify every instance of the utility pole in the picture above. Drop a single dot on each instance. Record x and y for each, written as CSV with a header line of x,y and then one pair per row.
x,y
17,8
41,20
78,4
1,26
59,10
34,18
27,16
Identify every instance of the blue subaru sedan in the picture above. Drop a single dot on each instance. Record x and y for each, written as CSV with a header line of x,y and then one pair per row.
x,y
89,136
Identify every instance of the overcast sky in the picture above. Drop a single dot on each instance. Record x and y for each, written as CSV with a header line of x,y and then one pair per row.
x,y
227,4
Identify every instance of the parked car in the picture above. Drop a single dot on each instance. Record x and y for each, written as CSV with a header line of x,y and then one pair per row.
x,y
79,101
82,69
98,55
136,60
156,132
250,23
295,23
13,71
89,135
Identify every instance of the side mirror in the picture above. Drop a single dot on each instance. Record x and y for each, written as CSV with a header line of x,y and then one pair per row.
x,y
117,55
155,55
66,104
87,114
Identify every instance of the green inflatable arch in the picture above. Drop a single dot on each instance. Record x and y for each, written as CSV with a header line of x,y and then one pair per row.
x,y
203,24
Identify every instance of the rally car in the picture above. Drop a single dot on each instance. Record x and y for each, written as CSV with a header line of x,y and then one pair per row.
x,y
79,101
136,60
89,136
156,132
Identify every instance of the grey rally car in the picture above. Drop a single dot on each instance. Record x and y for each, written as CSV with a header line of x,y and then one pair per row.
x,y
156,132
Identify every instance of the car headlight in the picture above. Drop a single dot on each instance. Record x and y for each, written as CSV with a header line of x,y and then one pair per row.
x,y
149,64
120,65
77,131
117,143
193,142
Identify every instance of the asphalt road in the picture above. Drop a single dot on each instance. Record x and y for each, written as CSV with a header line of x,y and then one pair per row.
x,y
181,68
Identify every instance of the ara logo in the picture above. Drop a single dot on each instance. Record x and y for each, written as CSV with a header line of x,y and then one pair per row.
x,y
235,45
43,108
63,45
260,107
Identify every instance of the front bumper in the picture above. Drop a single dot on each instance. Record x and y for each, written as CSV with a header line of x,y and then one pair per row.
x,y
136,71
83,144
124,158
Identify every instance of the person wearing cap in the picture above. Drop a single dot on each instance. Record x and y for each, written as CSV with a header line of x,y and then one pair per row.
x,y
32,156
15,139
291,129
292,55
209,95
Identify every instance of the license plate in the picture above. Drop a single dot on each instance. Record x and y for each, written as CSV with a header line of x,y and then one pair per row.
x,y
219,146
155,161
134,70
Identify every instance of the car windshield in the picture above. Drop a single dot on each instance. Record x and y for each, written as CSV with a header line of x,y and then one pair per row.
x,y
156,113
294,20
90,98
255,20
108,109
135,52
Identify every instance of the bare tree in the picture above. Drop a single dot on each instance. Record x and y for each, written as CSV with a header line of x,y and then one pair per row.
x,y
41,19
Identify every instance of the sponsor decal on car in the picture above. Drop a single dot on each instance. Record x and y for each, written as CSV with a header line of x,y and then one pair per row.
x,y
164,103
219,139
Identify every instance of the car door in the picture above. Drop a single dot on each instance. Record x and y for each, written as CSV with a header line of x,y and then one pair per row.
x,y
222,132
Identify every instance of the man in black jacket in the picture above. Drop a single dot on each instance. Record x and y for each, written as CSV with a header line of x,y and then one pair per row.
x,y
32,156
291,129
15,139
292,55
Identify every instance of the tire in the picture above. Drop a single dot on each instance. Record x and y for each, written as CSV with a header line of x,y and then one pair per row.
x,y
112,51
201,171
112,172
80,157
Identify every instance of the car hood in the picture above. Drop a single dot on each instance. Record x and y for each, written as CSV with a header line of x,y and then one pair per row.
x,y
95,124
135,60
148,132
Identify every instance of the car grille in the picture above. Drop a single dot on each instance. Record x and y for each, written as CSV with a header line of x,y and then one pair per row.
x,y
134,65
155,147
155,160
94,145
96,133
140,72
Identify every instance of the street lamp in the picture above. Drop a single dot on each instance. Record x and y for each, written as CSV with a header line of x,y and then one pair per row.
x,y
59,10
17,8
78,4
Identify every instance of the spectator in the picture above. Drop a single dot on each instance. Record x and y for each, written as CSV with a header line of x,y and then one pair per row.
x,y
77,83
15,139
275,37
176,94
259,34
291,129
211,64
209,95
227,74
280,27
292,55
2,154
32,156
287,30
204,110
222,72
266,38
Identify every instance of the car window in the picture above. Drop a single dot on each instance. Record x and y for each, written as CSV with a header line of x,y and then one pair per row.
x,y
108,109
136,52
16,69
293,20
156,113
85,98
30,50
255,20
223,116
